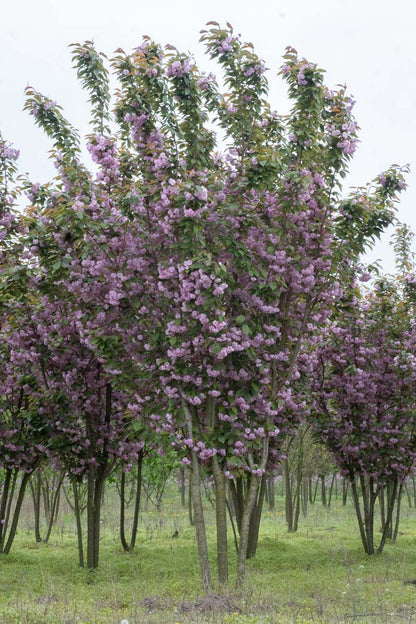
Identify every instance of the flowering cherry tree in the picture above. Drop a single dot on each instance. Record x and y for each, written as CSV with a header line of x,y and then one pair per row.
x,y
22,445
193,269
363,382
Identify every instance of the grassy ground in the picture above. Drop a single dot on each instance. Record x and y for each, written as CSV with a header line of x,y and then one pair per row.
x,y
317,575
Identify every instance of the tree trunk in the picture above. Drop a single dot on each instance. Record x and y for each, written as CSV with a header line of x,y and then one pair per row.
x,y
182,487
129,546
190,511
253,536
323,490
220,481
305,497
16,513
409,500
123,512
198,509
54,508
344,491
396,524
137,499
94,499
270,494
356,500
331,489
236,486
77,513
245,526
251,498
288,496
36,497
387,532
315,491
6,496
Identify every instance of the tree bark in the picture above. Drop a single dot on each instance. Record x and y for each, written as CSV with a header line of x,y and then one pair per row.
x,y
356,500
7,492
220,481
253,536
198,509
16,513
77,513
36,497
96,480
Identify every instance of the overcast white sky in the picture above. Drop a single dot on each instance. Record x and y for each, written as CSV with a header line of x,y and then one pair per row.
x,y
370,45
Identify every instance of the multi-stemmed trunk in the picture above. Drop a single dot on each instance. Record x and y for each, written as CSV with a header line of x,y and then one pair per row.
x,y
249,505
50,494
239,488
365,510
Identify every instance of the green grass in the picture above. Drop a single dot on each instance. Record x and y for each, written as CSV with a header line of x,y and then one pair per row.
x,y
318,575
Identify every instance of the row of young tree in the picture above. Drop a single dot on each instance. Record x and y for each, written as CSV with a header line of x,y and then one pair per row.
x,y
307,477
201,293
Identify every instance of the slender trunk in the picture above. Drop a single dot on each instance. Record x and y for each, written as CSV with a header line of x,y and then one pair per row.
x,y
230,513
90,516
236,486
296,513
10,502
253,535
392,491
288,495
367,491
190,512
310,490
356,501
137,499
389,518
323,490
409,500
77,513
3,506
396,524
271,494
54,507
16,513
220,481
344,491
245,525
315,492
248,509
123,512
382,509
331,489
305,497
299,486
36,491
198,509
94,499
98,498
182,486
198,515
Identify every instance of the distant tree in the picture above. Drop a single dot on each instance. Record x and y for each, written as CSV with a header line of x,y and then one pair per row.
x,y
364,386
